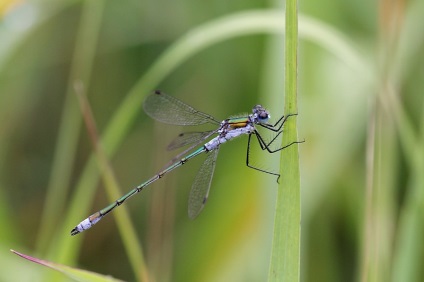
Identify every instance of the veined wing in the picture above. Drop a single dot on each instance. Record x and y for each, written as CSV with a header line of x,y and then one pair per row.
x,y
200,190
187,138
167,109
194,143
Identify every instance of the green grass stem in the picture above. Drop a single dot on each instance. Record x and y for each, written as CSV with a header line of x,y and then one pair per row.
x,y
285,257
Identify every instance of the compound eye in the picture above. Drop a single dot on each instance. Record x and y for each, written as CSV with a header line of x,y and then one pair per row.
x,y
263,115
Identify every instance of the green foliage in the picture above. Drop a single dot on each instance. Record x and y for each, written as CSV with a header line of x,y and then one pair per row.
x,y
359,105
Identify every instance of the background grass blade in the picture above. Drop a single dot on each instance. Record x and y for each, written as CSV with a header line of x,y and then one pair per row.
x,y
73,273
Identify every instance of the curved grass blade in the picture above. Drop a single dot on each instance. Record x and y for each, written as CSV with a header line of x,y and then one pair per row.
x,y
73,273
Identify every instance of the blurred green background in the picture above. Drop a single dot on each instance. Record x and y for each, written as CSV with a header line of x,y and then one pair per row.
x,y
360,112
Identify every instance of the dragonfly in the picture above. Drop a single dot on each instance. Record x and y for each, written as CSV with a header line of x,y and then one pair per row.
x,y
170,110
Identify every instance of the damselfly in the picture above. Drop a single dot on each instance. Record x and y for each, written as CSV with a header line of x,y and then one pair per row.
x,y
170,110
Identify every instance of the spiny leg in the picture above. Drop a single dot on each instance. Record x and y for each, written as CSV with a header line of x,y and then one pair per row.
x,y
279,129
274,127
265,146
256,168
272,140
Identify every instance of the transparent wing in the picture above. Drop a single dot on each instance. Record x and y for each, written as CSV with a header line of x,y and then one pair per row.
x,y
195,143
200,190
167,109
187,138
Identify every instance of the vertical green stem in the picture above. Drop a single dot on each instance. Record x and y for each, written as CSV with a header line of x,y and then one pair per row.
x,y
285,258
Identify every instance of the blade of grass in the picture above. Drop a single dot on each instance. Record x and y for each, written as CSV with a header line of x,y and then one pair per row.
x,y
285,257
408,247
73,273
375,250
386,173
369,195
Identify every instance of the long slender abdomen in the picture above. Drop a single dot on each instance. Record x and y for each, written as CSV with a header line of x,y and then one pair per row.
x,y
96,217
